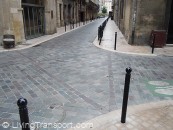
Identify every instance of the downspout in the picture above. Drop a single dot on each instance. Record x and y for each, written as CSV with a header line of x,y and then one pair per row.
x,y
134,20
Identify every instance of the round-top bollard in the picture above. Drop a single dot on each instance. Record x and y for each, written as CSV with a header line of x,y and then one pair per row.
x,y
23,112
128,70
126,94
22,102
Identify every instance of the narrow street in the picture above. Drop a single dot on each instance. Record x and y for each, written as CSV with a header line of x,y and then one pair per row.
x,y
68,79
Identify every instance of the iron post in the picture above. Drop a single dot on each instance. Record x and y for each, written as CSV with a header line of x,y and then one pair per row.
x,y
126,94
73,24
65,26
153,44
101,34
23,112
115,47
98,32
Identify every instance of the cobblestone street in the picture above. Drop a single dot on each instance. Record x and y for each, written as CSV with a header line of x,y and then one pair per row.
x,y
68,79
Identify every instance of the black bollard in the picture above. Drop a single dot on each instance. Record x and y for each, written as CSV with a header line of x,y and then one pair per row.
x,y
115,47
23,112
126,94
65,26
99,29
153,43
100,40
73,24
101,35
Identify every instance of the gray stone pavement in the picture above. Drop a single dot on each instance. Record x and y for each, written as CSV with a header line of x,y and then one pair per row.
x,y
67,79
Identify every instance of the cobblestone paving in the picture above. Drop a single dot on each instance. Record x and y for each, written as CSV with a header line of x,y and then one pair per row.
x,y
68,79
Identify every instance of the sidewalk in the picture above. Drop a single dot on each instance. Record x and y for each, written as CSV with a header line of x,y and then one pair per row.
x,y
108,42
39,40
152,116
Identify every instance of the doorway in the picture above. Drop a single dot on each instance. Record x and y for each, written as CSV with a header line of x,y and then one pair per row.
x,y
170,27
33,17
82,16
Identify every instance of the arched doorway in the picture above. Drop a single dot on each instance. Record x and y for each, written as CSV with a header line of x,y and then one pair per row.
x,y
33,17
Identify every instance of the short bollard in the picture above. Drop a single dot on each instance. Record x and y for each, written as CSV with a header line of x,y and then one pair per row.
x,y
126,94
115,47
98,32
153,44
100,41
73,24
101,35
65,26
23,112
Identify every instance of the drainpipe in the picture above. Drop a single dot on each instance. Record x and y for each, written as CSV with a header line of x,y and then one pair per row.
x,y
134,20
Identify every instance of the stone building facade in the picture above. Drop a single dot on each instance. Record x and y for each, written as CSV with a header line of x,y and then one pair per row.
x,y
137,18
27,19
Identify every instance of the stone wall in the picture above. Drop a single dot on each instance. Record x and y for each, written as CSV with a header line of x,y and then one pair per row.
x,y
50,16
127,19
150,16
11,19
59,9
140,17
